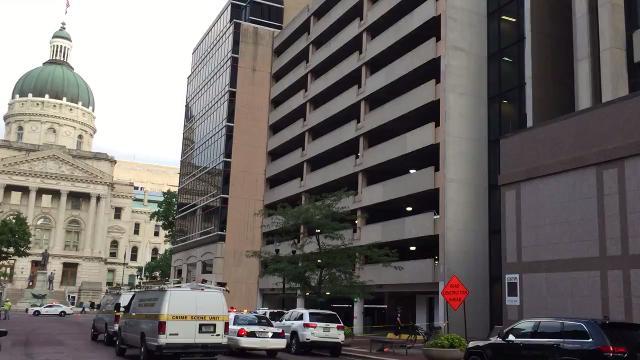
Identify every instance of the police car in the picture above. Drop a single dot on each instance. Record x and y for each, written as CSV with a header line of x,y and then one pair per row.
x,y
255,332
180,320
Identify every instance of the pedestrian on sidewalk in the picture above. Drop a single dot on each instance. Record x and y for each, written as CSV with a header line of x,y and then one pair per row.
x,y
84,310
7,308
51,278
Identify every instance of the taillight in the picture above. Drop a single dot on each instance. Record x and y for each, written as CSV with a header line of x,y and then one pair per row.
x,y
282,335
310,325
116,319
242,333
162,327
226,328
613,350
340,327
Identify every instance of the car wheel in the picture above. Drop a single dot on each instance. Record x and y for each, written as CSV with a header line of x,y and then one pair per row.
x,y
295,346
36,313
94,333
272,354
62,314
336,351
121,349
145,353
108,338
475,357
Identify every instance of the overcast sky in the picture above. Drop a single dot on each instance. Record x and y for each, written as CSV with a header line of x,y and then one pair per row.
x,y
135,55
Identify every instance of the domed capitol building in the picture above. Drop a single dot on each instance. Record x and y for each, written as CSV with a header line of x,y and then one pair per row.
x,y
88,210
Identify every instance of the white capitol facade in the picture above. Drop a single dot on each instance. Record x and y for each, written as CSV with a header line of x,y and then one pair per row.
x,y
84,207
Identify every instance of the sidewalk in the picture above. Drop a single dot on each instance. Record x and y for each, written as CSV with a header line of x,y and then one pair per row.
x,y
359,347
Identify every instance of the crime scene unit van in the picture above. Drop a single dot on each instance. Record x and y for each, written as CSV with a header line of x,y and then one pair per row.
x,y
182,320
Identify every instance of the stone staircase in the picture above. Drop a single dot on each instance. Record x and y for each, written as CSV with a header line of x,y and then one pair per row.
x,y
27,299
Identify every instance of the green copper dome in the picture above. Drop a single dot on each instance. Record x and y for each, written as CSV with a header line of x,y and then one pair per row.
x,y
58,80
61,34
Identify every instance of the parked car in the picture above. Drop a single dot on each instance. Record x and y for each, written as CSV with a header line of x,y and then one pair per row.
x,y
3,333
273,314
560,338
312,329
107,319
255,332
51,309
184,320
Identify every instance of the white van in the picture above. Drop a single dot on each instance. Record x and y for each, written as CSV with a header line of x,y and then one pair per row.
x,y
181,320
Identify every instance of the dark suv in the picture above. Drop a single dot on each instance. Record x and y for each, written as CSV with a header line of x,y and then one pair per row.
x,y
562,339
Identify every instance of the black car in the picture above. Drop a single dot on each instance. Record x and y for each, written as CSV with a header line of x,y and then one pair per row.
x,y
2,334
561,339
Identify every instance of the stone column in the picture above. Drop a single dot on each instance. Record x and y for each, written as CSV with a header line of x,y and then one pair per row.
x,y
90,240
99,235
358,317
613,49
582,55
32,203
62,207
2,193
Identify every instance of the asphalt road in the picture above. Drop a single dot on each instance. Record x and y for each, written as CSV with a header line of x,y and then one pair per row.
x,y
55,338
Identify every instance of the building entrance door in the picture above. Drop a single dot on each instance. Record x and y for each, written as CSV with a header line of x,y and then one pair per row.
x,y
33,274
69,274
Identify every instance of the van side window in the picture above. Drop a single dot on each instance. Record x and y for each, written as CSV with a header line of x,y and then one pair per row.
x,y
127,307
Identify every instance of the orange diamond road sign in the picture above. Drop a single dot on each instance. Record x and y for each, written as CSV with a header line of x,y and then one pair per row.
x,y
454,292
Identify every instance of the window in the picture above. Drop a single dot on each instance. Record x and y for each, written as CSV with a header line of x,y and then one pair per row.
x,y
16,197
523,330
134,253
322,317
549,330
19,134
276,315
72,238
177,272
111,274
79,141
42,233
154,254
252,320
45,201
136,229
51,135
191,272
156,230
132,281
113,249
575,331
76,203
69,274
207,267
117,213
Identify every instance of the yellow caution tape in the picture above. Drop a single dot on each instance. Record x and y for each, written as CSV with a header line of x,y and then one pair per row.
x,y
177,317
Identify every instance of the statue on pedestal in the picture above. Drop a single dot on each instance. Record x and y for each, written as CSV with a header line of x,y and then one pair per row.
x,y
45,260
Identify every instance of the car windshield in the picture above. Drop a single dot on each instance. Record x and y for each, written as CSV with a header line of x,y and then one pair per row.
x,y
623,334
329,318
259,320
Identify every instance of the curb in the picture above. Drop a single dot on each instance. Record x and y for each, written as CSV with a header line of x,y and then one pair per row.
x,y
363,356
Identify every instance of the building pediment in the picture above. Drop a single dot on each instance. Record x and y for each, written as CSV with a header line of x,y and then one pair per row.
x,y
53,164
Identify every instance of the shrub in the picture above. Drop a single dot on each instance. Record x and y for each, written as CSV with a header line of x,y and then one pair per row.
x,y
450,341
348,331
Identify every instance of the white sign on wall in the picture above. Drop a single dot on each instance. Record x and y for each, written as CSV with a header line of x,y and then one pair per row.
x,y
512,289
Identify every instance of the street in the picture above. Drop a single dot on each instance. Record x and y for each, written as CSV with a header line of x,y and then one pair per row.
x,y
55,338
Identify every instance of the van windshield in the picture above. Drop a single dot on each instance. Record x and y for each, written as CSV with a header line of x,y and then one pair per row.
x,y
329,318
623,334
258,320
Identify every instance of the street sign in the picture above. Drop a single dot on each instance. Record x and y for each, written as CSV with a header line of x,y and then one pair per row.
x,y
512,285
454,293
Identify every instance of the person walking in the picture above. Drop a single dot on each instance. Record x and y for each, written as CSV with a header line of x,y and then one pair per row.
x,y
7,308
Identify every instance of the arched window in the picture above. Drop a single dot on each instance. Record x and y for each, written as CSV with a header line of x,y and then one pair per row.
x,y
154,254
19,134
51,135
79,142
113,249
42,233
72,238
134,253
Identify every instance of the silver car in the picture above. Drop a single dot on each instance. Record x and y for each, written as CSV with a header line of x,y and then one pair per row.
x,y
107,319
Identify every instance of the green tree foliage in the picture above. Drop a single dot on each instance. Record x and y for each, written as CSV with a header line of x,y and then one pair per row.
x,y
166,214
160,268
324,257
15,237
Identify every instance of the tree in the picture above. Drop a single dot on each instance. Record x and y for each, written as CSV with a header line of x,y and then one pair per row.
x,y
166,214
160,268
15,237
323,261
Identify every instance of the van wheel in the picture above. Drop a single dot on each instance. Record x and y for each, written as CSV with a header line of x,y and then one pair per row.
x,y
295,346
336,351
94,333
108,338
272,354
120,347
145,353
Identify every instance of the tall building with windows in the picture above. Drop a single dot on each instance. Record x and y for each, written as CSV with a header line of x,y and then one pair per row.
x,y
222,165
94,224
388,99
564,158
